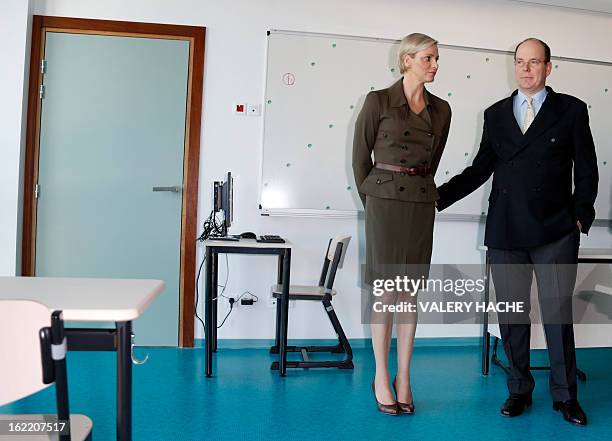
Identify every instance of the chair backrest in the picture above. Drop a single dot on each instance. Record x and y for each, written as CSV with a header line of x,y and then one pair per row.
x,y
334,259
331,249
21,369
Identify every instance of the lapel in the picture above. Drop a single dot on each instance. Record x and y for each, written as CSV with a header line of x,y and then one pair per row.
x,y
511,127
437,122
548,114
398,99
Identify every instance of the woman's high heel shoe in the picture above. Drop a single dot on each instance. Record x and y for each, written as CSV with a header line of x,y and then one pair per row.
x,y
407,408
387,409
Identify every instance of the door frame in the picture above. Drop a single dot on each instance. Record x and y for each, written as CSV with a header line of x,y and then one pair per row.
x,y
189,216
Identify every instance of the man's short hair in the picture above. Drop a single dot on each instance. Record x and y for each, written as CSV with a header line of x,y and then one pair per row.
x,y
544,45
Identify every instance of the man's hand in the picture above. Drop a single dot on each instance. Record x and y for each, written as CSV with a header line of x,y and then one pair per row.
x,y
579,226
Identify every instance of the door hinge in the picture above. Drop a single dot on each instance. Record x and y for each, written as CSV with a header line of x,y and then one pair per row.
x,y
43,66
36,191
41,92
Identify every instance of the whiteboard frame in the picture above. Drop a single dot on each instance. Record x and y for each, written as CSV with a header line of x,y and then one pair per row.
x,y
354,214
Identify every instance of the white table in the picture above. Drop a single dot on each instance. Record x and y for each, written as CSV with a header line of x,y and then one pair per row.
x,y
246,246
94,300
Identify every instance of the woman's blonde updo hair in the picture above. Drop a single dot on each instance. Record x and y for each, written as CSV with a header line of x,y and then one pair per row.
x,y
410,45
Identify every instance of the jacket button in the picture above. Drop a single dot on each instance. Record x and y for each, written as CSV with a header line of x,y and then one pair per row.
x,y
402,161
553,140
430,134
401,189
423,190
407,133
378,181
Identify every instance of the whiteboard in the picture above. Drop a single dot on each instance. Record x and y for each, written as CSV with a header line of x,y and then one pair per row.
x,y
316,85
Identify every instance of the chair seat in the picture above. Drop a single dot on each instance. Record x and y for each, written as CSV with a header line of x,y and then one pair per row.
x,y
302,292
80,426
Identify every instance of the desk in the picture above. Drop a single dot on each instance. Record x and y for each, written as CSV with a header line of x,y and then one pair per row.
x,y
246,246
585,255
94,300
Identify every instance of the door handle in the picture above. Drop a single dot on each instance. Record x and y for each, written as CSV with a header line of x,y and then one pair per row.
x,y
175,189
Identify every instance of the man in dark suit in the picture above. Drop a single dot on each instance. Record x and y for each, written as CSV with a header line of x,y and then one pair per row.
x,y
534,143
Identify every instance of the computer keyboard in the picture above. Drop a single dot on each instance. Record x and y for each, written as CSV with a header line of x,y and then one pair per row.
x,y
226,238
270,238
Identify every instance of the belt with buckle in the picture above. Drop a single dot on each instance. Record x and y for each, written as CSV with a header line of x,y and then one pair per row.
x,y
410,171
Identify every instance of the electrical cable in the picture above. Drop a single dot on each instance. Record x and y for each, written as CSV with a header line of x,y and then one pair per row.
x,y
212,228
253,296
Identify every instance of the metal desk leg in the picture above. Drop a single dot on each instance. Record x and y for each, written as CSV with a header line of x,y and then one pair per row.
x,y
279,280
215,300
208,321
485,322
124,381
284,299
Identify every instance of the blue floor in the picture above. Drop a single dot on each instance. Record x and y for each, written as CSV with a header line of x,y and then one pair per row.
x,y
246,401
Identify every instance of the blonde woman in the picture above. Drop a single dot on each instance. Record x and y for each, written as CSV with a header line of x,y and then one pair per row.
x,y
406,127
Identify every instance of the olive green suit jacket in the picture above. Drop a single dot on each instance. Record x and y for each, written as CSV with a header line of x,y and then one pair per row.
x,y
397,136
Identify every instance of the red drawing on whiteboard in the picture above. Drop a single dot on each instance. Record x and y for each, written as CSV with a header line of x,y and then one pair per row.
x,y
289,79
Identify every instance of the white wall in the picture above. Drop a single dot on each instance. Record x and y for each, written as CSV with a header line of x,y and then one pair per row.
x,y
15,24
234,72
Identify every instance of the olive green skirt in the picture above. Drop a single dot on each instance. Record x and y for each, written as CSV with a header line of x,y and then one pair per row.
x,y
399,237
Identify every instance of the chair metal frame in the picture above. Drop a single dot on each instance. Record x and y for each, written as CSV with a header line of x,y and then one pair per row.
x,y
53,348
326,280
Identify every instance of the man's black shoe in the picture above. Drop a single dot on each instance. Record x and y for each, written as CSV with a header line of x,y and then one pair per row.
x,y
571,411
515,405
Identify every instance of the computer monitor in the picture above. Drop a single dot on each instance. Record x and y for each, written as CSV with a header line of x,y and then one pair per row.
x,y
224,201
